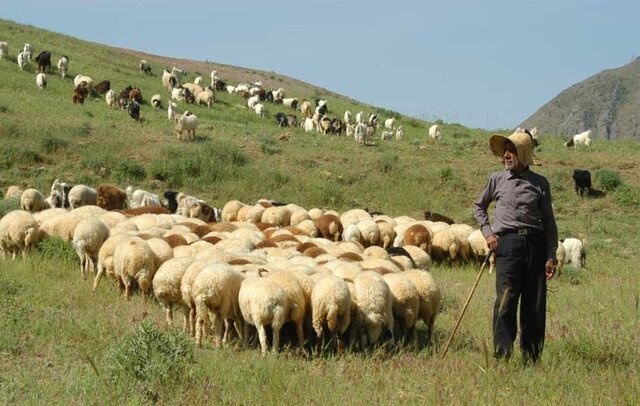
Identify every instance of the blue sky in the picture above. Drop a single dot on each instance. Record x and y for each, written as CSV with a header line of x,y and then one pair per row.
x,y
487,64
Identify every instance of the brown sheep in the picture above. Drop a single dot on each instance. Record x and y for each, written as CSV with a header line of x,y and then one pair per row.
x,y
80,94
111,197
175,240
135,94
145,210
329,226
103,87
418,235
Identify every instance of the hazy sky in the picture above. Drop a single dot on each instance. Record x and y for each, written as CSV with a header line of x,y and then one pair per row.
x,y
486,63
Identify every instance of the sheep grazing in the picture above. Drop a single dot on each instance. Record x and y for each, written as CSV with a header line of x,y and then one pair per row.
x,y
290,102
134,261
41,80
63,66
79,79
88,237
22,60
374,311
575,253
173,111
406,305
582,181
580,140
156,101
259,109
206,97
111,197
133,108
186,126
418,235
331,309
434,132
103,87
305,109
44,61
28,50
399,134
32,201
142,198
19,233
430,297
166,286
389,123
215,292
435,217
80,93
145,66
360,133
263,303
81,195
4,49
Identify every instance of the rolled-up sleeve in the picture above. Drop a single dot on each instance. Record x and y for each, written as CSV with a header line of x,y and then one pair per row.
x,y
481,206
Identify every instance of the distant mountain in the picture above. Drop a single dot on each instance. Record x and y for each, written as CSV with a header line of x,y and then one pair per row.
x,y
607,103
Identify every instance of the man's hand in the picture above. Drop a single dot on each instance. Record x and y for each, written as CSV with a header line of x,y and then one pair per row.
x,y
550,267
492,242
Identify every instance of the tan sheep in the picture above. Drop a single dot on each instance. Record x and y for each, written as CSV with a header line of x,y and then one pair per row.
x,y
166,286
19,233
133,260
32,200
88,237
406,305
331,308
430,297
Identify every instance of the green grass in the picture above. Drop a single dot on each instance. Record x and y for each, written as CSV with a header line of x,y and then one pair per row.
x,y
59,343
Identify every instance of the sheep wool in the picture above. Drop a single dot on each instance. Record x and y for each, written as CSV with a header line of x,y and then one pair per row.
x,y
19,233
166,286
88,237
133,260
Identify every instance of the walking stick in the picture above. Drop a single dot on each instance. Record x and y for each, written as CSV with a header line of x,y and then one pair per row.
x,y
466,304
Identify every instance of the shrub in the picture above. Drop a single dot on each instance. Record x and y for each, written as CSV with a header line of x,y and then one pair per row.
x,y
152,357
127,170
608,180
628,195
58,249
7,205
50,143
10,155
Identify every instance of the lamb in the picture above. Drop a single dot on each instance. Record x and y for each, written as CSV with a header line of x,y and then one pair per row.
x,y
133,260
186,123
263,303
22,60
145,66
110,197
4,49
331,308
110,98
41,80
582,139
166,286
252,101
389,123
360,133
406,304
156,101
399,134
63,66
88,237
33,201
430,297
168,80
215,292
142,198
575,253
173,111
259,109
206,97
374,311
81,195
19,232
28,50
434,132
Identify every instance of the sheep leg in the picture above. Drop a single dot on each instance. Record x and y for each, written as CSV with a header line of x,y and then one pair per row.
x,y
96,280
201,322
217,327
185,325
245,336
300,333
192,320
169,314
262,334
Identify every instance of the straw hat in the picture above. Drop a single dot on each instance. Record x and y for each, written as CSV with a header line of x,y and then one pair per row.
x,y
522,141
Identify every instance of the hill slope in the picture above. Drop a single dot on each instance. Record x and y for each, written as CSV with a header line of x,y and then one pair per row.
x,y
607,103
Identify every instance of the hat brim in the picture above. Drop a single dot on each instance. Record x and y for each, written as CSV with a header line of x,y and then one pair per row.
x,y
497,143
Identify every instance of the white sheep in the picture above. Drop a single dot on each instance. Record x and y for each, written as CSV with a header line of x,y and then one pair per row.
x,y
582,139
186,123
259,109
142,198
374,307
41,80
145,66
63,66
19,232
389,123
360,133
166,286
177,94
77,81
406,304
331,308
206,97
386,136
430,297
347,117
295,300
263,303
173,111
22,60
81,195
28,50
434,132
88,237
252,101
575,253
33,201
214,77
399,133
198,81
156,101
215,292
133,260
4,49
110,98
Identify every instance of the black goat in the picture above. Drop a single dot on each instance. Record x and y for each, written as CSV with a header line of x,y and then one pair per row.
x,y
582,180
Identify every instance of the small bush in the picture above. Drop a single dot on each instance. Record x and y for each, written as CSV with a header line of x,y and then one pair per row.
x,y
127,170
451,179
58,249
269,147
608,180
150,356
7,205
628,196
50,143
10,155
388,162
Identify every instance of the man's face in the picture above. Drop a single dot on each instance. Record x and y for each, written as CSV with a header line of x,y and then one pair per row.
x,y
510,158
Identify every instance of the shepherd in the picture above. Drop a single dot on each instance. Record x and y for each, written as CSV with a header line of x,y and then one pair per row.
x,y
524,237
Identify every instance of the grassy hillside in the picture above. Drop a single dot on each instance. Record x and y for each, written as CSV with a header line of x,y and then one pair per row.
x,y
60,343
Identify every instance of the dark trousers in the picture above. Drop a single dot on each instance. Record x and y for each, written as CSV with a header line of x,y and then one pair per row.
x,y
520,277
